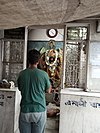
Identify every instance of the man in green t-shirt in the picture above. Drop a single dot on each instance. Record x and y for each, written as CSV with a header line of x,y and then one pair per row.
x,y
33,83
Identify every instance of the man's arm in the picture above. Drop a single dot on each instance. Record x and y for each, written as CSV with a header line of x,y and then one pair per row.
x,y
49,90
48,87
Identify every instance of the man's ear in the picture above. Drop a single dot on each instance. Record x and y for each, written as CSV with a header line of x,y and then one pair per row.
x,y
37,63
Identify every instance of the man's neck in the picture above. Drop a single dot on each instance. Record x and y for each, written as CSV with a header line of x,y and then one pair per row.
x,y
32,66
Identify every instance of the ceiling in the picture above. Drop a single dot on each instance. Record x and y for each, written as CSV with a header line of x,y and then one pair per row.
x,y
19,13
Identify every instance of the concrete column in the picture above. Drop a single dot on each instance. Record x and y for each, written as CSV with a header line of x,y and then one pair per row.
x,y
25,48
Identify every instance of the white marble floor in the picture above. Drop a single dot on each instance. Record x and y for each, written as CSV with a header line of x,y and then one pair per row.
x,y
46,131
51,131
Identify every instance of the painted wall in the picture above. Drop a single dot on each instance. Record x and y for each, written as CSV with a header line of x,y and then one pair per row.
x,y
40,44
38,39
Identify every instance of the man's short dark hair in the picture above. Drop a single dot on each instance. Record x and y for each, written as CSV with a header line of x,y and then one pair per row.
x,y
33,56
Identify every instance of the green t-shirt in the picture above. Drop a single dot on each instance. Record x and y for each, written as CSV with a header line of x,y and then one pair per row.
x,y
33,84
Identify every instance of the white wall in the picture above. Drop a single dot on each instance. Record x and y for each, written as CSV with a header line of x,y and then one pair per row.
x,y
40,35
93,72
93,34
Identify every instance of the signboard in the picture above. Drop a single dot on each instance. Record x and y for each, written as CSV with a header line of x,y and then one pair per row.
x,y
18,33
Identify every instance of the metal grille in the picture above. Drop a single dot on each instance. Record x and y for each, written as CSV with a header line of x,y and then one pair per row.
x,y
13,51
75,65
13,59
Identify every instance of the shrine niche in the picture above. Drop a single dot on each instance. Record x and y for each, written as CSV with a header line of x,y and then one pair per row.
x,y
51,62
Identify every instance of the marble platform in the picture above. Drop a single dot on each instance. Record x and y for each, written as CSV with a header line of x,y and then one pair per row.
x,y
79,112
9,110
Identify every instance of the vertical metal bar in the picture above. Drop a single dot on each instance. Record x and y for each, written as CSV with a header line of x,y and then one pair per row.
x,y
0,59
87,56
80,65
25,48
64,59
73,70
2,50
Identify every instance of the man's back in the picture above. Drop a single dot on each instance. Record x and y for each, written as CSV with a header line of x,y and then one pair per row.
x,y
33,84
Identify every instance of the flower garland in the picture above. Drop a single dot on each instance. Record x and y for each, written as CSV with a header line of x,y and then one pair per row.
x,y
50,53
